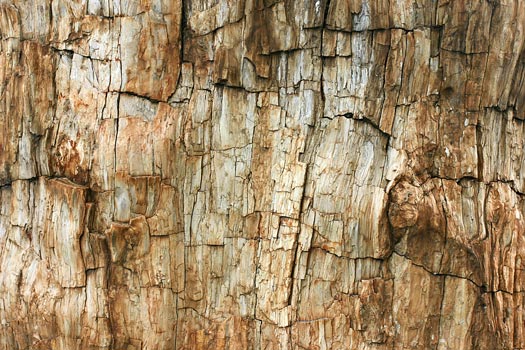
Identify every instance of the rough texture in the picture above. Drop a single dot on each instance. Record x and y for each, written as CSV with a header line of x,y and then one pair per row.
x,y
262,174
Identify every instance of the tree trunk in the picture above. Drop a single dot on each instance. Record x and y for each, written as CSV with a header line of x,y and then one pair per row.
x,y
217,174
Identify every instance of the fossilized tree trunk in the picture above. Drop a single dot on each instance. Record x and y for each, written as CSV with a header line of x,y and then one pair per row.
x,y
262,174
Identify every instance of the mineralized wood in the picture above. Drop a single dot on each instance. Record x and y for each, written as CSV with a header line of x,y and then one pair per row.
x,y
277,174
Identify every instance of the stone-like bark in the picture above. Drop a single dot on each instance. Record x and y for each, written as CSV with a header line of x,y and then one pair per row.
x,y
218,174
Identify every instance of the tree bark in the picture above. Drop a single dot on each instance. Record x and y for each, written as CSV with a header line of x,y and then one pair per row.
x,y
262,174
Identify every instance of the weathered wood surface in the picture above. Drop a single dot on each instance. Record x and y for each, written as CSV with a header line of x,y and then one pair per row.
x,y
217,174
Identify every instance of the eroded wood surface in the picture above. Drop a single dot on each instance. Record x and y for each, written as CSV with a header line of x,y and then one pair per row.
x,y
217,174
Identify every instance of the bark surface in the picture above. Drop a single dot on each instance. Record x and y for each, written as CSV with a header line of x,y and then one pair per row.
x,y
262,174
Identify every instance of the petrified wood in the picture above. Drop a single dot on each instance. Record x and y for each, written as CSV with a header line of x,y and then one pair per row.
x,y
262,174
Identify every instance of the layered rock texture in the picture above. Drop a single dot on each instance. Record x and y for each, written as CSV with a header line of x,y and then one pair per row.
x,y
262,174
